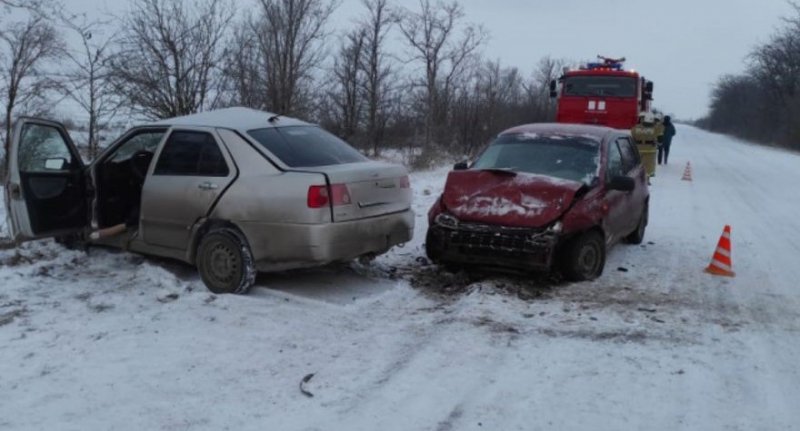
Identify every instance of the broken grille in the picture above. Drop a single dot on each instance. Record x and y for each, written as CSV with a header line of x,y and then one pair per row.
x,y
515,243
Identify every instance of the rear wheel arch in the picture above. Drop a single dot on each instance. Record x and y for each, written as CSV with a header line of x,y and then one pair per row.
x,y
205,227
225,261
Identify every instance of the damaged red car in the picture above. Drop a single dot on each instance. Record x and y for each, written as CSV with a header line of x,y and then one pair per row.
x,y
542,196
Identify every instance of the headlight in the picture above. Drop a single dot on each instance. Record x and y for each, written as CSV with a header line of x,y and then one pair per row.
x,y
556,227
446,220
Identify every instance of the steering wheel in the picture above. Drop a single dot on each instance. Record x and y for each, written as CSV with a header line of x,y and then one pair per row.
x,y
140,162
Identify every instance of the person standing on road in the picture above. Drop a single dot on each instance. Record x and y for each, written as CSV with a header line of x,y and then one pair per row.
x,y
666,140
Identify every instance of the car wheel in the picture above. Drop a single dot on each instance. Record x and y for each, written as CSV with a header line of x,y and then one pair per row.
x,y
637,236
432,249
225,262
585,257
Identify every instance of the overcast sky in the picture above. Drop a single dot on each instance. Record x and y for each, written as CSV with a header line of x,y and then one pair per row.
x,y
681,45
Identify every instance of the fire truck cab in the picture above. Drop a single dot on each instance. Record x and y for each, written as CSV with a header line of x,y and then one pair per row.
x,y
602,93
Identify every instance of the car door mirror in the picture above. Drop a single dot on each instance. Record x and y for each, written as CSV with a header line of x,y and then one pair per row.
x,y
648,90
56,164
553,87
461,166
622,183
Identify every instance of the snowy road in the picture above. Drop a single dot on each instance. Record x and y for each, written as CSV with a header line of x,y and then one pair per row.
x,y
115,341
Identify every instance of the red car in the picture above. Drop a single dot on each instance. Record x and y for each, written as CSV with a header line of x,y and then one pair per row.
x,y
539,196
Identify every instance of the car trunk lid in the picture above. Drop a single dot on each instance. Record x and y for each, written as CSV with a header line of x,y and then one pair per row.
x,y
374,189
507,198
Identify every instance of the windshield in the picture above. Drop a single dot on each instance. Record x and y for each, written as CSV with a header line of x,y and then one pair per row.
x,y
306,146
616,86
569,158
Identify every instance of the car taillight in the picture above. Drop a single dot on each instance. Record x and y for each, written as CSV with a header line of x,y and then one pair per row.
x,y
405,183
322,196
340,194
318,196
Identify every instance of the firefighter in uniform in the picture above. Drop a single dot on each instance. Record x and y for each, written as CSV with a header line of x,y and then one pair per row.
x,y
645,133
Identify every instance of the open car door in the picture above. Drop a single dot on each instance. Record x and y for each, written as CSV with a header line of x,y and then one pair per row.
x,y
45,186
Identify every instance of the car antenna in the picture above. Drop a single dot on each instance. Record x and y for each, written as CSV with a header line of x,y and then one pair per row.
x,y
274,118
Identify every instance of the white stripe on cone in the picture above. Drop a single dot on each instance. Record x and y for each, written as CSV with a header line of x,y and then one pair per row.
x,y
721,266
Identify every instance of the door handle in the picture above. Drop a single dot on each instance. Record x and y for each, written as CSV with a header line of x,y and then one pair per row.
x,y
16,192
207,186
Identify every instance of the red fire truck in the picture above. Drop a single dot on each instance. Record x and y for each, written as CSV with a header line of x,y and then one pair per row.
x,y
602,93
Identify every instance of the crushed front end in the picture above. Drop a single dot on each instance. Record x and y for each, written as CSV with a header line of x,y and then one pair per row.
x,y
451,241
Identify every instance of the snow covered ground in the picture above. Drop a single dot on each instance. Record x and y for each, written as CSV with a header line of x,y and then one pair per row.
x,y
111,340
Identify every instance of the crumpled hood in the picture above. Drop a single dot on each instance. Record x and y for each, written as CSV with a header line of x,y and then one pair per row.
x,y
501,198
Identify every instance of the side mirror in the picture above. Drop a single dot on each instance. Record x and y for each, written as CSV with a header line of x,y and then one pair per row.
x,y
56,164
461,166
622,183
553,89
648,90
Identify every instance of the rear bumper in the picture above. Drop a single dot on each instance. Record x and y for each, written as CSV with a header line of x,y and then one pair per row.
x,y
492,246
287,246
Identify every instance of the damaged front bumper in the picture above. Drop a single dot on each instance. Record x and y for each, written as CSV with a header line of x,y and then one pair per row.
x,y
453,242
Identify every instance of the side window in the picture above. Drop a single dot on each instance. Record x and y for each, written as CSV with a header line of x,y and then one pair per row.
x,y
630,157
43,149
144,141
614,167
191,154
211,163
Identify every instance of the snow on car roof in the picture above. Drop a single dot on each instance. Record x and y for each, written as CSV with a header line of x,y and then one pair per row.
x,y
239,118
596,133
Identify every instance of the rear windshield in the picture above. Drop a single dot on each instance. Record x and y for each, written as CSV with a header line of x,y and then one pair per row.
x,y
569,158
615,86
306,146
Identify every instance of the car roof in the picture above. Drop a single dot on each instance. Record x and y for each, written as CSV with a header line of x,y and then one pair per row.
x,y
598,133
237,118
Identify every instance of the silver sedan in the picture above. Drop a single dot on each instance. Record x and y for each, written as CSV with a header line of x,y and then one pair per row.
x,y
233,191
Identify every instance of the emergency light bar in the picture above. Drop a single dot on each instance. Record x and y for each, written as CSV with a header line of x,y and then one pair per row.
x,y
612,66
608,64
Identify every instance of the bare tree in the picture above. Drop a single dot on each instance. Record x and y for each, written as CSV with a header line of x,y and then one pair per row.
x,y
537,89
345,98
245,70
27,46
290,37
491,99
376,68
169,54
763,103
88,81
31,5
433,37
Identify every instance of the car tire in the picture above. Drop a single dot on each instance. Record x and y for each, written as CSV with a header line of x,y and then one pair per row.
x,y
585,257
637,236
225,262
431,250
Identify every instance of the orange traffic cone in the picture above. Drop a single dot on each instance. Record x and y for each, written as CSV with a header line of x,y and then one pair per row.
x,y
687,173
721,263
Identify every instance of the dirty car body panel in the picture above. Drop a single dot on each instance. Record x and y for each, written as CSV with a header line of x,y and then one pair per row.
x,y
532,191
